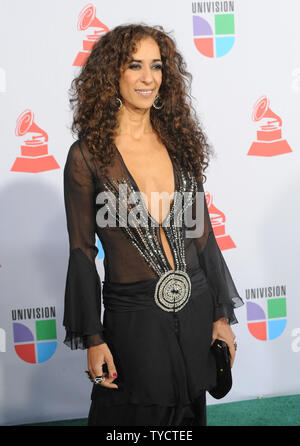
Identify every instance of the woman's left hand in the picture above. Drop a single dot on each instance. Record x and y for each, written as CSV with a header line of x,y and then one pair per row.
x,y
222,331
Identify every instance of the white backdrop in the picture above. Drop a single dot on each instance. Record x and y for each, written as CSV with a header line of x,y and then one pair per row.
x,y
256,196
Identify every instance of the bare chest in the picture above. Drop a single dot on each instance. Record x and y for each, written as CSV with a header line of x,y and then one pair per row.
x,y
150,167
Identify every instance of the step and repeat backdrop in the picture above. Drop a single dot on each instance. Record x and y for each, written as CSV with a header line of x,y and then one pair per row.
x,y
244,56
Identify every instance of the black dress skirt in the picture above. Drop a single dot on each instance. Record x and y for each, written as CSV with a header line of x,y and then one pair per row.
x,y
162,354
173,349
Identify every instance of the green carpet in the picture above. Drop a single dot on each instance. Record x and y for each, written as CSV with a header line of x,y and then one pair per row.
x,y
277,411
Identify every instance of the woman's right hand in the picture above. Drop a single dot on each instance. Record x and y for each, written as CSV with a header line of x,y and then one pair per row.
x,y
97,355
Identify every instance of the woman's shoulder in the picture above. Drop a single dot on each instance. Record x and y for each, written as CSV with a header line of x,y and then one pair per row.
x,y
80,158
75,156
78,149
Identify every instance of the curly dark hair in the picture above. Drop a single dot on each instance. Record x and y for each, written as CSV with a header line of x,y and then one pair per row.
x,y
94,91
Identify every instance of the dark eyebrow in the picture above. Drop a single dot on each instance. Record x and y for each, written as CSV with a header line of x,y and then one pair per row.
x,y
153,60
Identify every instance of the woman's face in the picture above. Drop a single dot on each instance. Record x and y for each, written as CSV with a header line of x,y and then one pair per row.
x,y
141,79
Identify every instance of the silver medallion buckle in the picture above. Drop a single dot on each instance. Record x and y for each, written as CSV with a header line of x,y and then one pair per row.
x,y
172,290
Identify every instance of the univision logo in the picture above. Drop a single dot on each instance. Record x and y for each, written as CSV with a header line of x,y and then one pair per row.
x,y
214,35
267,320
35,341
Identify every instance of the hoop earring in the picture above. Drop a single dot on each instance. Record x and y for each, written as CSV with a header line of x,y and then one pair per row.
x,y
120,102
155,105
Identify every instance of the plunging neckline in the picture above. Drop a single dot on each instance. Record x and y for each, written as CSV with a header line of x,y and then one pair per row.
x,y
138,189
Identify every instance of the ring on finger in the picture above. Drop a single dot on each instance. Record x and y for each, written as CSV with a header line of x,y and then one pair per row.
x,y
235,346
99,379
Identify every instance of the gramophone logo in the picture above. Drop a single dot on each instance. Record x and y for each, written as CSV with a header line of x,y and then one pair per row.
x,y
217,218
87,19
34,150
214,35
269,138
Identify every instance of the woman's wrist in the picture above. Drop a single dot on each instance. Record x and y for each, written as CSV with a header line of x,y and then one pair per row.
x,y
222,319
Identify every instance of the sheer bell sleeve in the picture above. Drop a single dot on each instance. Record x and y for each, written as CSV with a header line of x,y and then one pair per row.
x,y
82,306
224,292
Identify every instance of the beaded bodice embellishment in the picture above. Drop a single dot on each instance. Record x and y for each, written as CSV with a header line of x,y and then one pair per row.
x,y
173,288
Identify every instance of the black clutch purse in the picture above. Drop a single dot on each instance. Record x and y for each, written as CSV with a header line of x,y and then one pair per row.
x,y
221,354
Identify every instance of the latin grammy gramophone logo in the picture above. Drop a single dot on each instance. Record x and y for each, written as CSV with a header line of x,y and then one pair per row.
x,y
269,138
34,150
218,219
87,19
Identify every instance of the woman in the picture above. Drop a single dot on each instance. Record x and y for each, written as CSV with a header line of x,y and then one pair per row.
x,y
167,296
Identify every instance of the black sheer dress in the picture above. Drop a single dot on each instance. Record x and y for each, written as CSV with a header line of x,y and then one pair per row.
x,y
157,321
